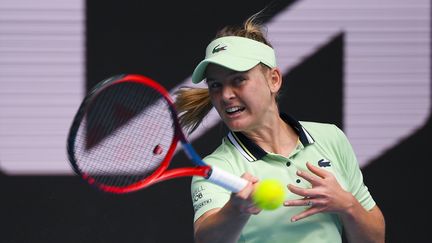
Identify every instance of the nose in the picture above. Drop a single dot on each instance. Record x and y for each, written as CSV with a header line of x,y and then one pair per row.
x,y
227,93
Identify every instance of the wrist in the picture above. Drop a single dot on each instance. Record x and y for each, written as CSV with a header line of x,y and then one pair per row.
x,y
350,207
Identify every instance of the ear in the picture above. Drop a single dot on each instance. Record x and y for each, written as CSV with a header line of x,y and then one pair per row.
x,y
275,80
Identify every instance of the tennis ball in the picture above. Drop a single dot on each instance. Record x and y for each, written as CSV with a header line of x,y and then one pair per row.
x,y
269,194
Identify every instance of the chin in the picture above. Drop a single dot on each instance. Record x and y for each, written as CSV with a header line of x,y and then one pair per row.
x,y
236,126
234,129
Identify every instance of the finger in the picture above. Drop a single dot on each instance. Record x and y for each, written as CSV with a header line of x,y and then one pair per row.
x,y
246,192
253,209
317,170
313,179
297,190
304,202
305,192
304,214
250,177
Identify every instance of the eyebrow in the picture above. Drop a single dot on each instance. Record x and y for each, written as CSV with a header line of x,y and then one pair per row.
x,y
231,73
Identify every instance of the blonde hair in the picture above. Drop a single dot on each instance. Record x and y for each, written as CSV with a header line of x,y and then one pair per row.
x,y
193,104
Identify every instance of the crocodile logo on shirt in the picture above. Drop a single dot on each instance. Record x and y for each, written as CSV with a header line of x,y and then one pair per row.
x,y
324,163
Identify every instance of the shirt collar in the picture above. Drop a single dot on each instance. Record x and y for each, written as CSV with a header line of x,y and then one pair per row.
x,y
253,152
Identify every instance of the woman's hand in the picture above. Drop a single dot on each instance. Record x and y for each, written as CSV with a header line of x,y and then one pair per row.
x,y
326,194
242,201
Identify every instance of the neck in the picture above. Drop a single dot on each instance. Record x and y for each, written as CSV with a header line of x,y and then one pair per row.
x,y
275,136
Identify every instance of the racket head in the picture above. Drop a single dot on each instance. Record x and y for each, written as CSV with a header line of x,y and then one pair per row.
x,y
124,134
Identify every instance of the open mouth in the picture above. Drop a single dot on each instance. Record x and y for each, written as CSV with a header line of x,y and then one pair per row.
x,y
234,110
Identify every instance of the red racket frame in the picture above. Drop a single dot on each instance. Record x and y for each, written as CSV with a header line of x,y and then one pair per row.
x,y
162,173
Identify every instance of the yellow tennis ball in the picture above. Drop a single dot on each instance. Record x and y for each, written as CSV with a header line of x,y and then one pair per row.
x,y
269,194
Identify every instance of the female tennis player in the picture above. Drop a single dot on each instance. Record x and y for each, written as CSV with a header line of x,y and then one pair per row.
x,y
326,195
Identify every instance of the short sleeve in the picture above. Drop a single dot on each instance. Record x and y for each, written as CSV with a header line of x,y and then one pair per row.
x,y
353,172
206,195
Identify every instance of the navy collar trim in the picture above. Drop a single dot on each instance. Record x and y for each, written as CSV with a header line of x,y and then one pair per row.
x,y
253,152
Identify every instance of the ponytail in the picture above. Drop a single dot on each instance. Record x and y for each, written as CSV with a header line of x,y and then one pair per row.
x,y
193,104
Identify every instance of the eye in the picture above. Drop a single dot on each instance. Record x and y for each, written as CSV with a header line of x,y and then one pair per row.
x,y
239,80
214,85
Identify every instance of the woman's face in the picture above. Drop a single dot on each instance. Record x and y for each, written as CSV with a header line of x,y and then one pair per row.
x,y
244,100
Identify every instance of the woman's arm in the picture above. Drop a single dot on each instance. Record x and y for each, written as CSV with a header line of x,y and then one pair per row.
x,y
226,224
364,226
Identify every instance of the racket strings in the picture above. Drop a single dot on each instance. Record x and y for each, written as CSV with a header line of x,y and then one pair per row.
x,y
125,136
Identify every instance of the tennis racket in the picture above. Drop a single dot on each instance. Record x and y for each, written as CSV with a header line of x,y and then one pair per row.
x,y
124,135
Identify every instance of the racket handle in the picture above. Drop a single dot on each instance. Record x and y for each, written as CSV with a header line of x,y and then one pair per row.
x,y
227,180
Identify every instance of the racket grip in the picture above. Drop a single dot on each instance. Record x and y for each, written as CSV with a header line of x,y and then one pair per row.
x,y
227,180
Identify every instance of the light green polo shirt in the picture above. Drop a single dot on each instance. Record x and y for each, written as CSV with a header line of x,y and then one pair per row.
x,y
323,145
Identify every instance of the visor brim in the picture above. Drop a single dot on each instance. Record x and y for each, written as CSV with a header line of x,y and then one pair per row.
x,y
238,64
